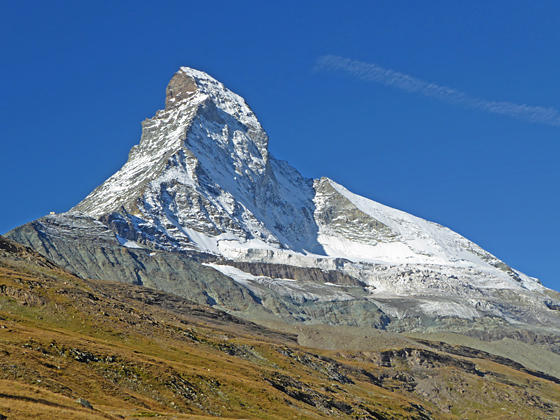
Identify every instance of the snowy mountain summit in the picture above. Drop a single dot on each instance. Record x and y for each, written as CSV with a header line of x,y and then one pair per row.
x,y
202,178
201,181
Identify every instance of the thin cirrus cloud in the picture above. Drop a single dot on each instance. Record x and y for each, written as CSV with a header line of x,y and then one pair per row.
x,y
373,73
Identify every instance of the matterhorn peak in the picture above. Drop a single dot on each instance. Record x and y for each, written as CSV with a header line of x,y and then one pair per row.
x,y
201,183
203,122
188,81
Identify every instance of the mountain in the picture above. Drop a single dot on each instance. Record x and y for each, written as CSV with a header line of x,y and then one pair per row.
x,y
89,349
201,209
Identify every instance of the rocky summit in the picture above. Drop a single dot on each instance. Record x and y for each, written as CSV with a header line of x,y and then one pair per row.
x,y
201,209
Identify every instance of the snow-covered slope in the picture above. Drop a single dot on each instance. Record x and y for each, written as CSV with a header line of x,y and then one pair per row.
x,y
202,179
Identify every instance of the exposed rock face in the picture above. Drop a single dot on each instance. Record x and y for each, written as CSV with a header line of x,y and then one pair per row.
x,y
180,87
340,217
203,210
86,248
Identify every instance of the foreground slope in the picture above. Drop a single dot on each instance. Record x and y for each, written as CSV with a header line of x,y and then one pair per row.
x,y
203,210
75,348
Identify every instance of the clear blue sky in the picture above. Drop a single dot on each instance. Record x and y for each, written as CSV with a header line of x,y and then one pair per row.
x,y
79,77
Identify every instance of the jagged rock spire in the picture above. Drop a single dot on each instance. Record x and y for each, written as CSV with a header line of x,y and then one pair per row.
x,y
180,87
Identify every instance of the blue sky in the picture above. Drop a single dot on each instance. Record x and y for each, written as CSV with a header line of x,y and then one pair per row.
x,y
79,77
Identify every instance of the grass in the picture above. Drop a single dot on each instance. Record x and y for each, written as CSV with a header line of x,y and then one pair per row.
x,y
63,338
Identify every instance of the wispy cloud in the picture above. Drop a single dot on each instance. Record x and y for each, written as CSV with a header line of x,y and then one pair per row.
x,y
373,73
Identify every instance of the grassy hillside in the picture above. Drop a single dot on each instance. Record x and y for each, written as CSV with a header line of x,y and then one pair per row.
x,y
75,348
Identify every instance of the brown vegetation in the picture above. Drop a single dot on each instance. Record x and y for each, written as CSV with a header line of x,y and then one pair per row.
x,y
75,348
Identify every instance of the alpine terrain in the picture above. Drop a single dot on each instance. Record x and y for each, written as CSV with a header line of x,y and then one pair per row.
x,y
74,348
202,210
